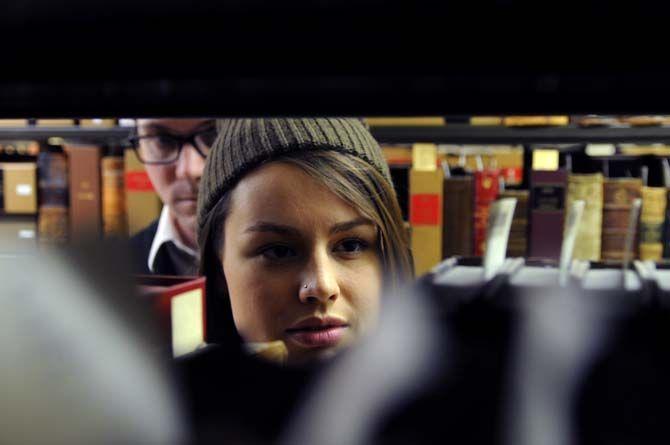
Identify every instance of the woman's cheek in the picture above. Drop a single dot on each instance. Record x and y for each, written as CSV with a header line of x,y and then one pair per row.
x,y
364,291
265,304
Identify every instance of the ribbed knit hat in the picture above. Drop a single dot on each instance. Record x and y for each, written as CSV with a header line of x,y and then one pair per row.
x,y
243,144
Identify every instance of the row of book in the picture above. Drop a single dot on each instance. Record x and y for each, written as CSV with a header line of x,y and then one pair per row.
x,y
421,121
52,123
465,277
72,192
449,212
527,121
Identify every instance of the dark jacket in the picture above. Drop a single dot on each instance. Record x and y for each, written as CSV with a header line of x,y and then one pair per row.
x,y
170,260
140,243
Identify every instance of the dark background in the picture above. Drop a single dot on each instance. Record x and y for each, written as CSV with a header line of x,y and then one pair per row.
x,y
247,57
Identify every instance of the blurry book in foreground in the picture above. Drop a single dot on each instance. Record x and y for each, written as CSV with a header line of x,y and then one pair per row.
x,y
179,303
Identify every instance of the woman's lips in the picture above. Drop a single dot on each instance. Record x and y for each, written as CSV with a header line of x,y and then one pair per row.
x,y
318,338
316,332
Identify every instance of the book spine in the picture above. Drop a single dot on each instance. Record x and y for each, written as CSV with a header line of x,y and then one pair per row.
x,y
20,194
457,235
547,207
52,219
425,215
85,196
486,191
2,190
654,201
114,221
142,203
587,188
666,228
618,198
517,245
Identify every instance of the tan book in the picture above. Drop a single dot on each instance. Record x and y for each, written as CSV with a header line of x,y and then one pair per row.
x,y
587,188
419,121
143,205
652,217
486,121
8,123
642,121
425,216
597,121
536,121
618,196
114,221
641,150
19,184
97,123
55,122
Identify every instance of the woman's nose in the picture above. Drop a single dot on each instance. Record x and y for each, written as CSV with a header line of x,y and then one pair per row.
x,y
319,284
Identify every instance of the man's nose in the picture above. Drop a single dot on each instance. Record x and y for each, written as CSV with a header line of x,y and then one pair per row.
x,y
190,164
319,283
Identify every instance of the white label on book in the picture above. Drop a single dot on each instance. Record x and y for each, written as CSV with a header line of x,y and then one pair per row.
x,y
188,331
574,219
26,234
424,157
500,222
545,159
24,189
600,149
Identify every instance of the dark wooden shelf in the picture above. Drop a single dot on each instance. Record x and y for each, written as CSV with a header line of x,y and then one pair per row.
x,y
115,134
448,134
466,134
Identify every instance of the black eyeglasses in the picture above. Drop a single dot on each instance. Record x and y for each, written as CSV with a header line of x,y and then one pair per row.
x,y
165,148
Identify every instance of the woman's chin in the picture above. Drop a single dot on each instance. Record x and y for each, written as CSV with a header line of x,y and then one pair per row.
x,y
309,357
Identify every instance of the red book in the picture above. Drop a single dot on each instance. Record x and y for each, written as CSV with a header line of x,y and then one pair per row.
x,y
547,207
179,303
487,186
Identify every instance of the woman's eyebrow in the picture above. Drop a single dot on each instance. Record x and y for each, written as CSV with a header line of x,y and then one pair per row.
x,y
348,225
263,226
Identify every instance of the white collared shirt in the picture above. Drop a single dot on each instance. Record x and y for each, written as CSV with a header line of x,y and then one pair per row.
x,y
166,232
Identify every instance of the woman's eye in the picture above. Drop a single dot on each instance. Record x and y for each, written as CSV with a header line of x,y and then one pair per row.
x,y
351,245
278,252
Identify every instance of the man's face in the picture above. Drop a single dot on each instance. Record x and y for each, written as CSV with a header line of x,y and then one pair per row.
x,y
177,183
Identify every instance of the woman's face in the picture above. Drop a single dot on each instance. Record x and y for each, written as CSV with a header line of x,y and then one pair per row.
x,y
301,264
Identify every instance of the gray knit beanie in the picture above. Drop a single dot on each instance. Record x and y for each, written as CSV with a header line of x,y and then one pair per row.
x,y
243,144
